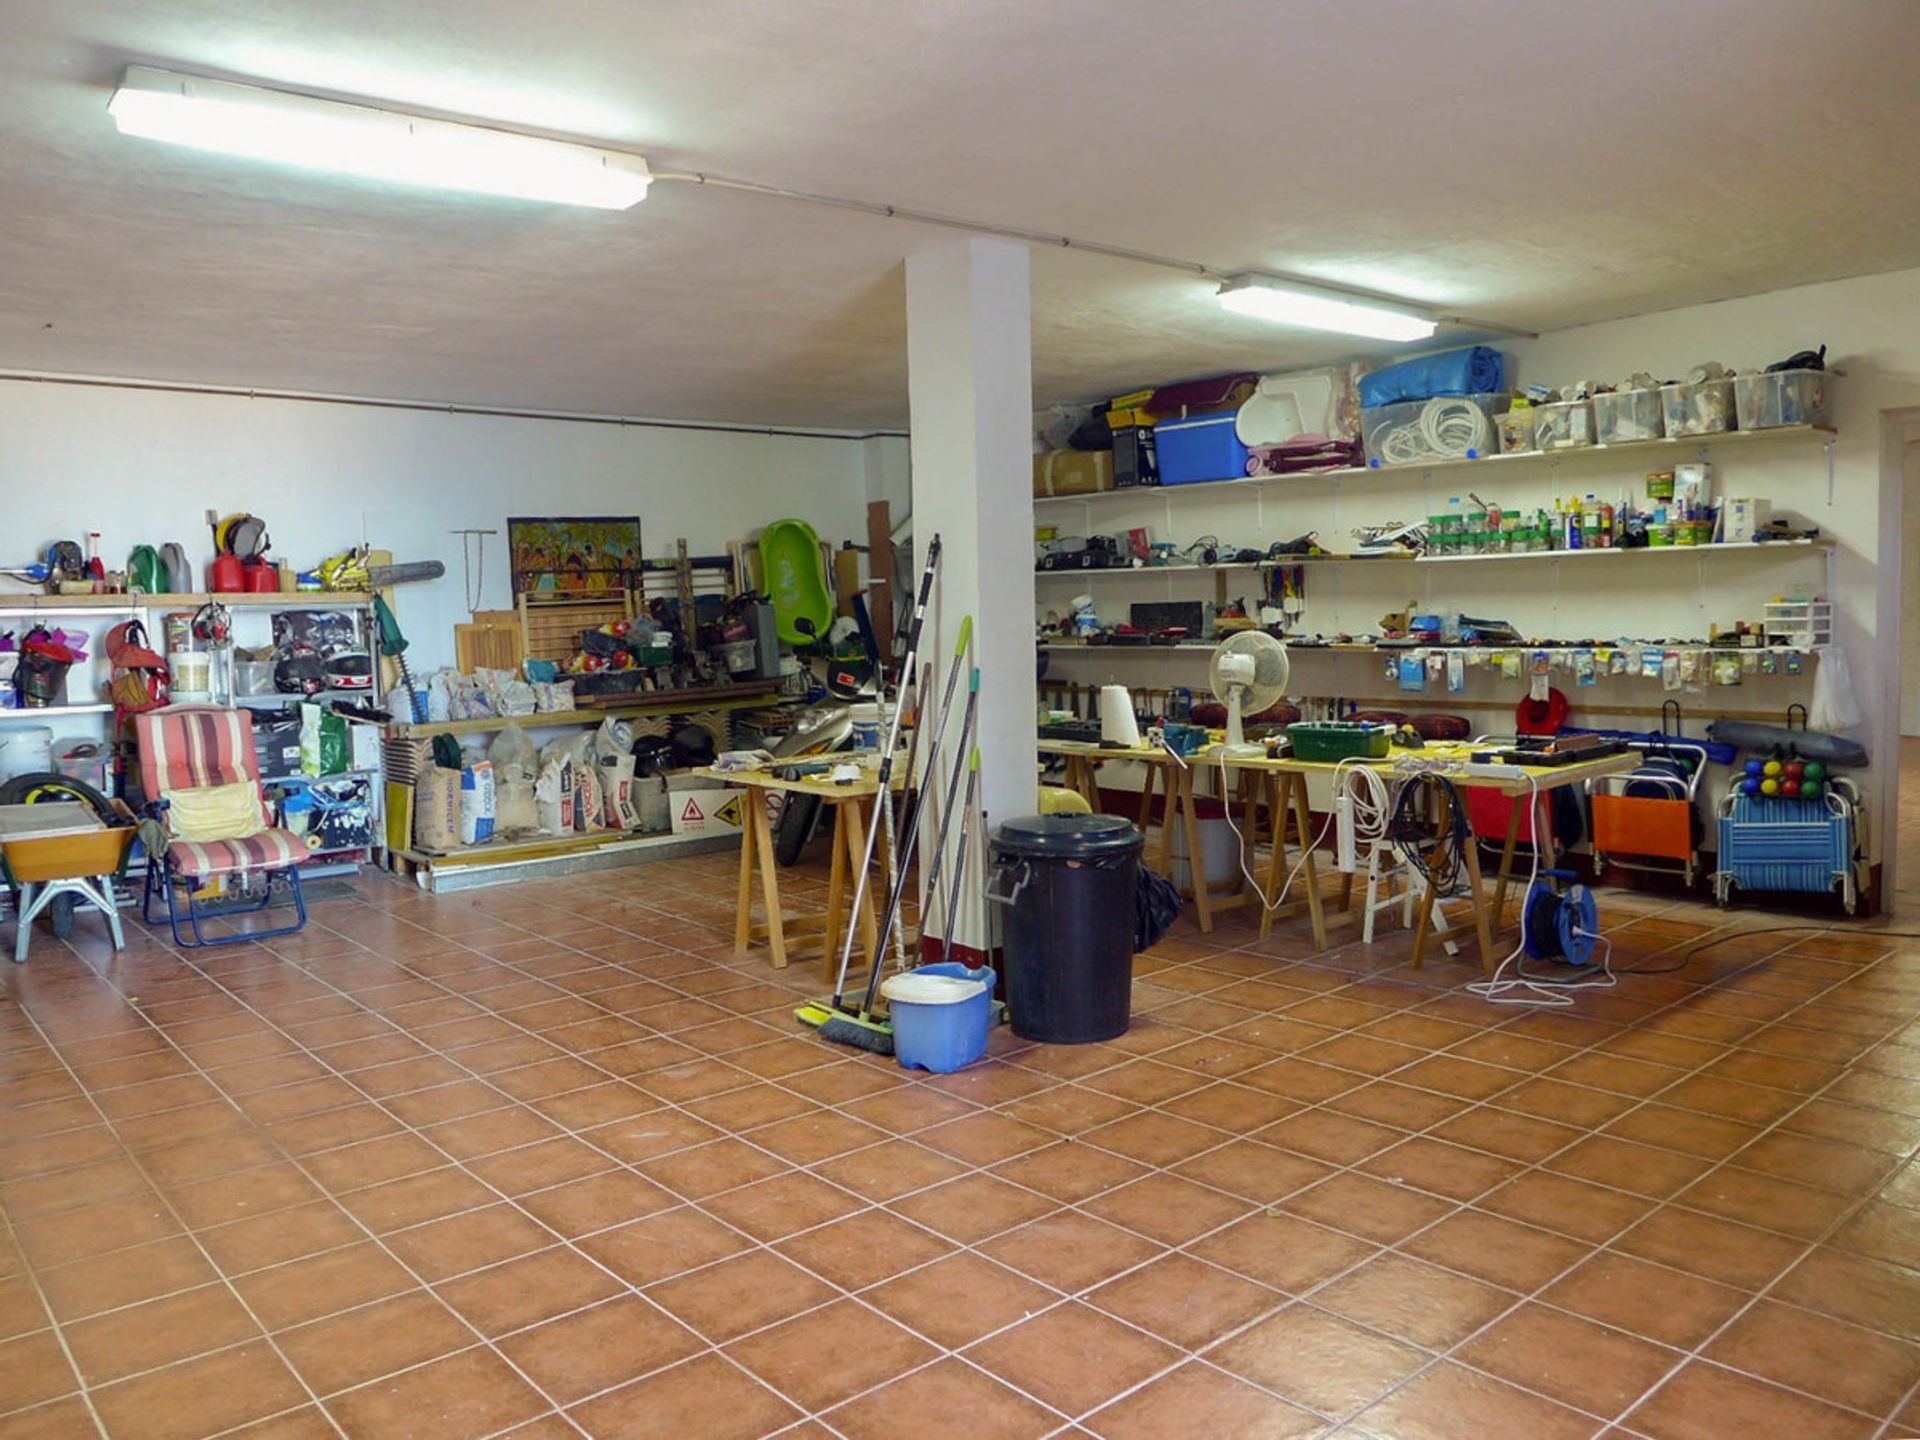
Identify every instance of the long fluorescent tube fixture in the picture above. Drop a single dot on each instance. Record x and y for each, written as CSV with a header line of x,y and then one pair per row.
x,y
313,134
1287,303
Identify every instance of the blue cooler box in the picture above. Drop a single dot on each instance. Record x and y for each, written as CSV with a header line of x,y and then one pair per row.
x,y
1199,449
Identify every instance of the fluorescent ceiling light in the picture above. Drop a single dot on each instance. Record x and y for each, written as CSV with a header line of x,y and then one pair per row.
x,y
1314,309
358,140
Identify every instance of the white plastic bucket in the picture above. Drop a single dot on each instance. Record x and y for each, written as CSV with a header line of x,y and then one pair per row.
x,y
865,720
941,1015
25,750
190,671
1219,851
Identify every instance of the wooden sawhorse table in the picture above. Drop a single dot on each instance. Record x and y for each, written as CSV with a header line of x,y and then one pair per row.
x,y
851,810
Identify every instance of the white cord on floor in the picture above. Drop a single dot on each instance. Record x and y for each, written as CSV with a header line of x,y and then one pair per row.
x,y
1370,814
1517,989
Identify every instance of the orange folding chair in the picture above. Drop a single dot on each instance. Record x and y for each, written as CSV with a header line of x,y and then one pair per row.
x,y
198,767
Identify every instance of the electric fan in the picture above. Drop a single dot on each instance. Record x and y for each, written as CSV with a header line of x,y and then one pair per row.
x,y
1248,673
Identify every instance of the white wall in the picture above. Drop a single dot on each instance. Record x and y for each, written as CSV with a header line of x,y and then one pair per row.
x,y
1872,328
1910,597
144,466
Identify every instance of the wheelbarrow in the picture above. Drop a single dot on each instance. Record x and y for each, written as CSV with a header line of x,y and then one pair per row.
x,y
60,857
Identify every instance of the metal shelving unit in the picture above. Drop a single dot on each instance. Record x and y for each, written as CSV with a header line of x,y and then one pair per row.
x,y
1678,447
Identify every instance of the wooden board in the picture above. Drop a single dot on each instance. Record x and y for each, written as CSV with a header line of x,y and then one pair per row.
x,y
550,629
25,822
493,642
883,597
846,578
692,697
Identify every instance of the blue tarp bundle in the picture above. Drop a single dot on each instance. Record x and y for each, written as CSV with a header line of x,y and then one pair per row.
x,y
1477,370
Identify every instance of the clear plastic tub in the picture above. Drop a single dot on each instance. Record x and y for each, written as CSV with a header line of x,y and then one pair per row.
x,y
1516,429
1703,409
1421,432
1563,425
1783,397
1628,415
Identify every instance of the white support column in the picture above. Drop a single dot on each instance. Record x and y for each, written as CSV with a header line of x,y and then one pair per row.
x,y
970,385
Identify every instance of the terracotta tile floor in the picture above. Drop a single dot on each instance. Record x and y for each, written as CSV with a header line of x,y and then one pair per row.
x,y
549,1160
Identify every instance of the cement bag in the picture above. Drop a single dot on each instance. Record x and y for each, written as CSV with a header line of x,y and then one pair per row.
x,y
613,739
515,811
587,799
440,695
507,693
553,796
436,809
616,782
477,803
514,756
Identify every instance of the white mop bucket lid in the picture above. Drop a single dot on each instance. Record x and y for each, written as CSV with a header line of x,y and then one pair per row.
x,y
913,988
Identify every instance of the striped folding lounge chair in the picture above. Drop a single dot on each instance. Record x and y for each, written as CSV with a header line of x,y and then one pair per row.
x,y
190,747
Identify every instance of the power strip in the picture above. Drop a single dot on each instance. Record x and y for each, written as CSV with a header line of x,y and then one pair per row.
x,y
1343,813
1492,771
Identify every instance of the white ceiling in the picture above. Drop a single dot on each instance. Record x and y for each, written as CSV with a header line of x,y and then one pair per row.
x,y
1537,164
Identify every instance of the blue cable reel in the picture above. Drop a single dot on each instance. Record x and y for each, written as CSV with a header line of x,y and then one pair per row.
x,y
1560,921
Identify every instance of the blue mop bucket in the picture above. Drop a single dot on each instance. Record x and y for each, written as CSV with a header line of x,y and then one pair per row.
x,y
941,1014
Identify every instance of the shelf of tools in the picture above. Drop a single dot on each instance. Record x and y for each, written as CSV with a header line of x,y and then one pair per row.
x,y
1352,563
1596,613
338,811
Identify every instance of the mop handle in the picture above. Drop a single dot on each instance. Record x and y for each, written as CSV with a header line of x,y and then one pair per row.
x,y
886,768
910,826
937,865
960,861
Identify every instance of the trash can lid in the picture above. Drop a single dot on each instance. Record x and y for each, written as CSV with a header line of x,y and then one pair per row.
x,y
1067,837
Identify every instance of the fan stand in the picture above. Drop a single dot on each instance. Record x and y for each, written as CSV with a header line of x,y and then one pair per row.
x,y
1237,746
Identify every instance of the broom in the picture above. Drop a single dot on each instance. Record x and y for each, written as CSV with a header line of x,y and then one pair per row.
x,y
819,1012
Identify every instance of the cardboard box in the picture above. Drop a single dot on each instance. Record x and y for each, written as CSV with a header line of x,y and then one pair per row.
x,y
1744,518
713,811
1072,472
363,745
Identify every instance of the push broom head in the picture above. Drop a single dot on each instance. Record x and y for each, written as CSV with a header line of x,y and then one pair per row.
x,y
863,1032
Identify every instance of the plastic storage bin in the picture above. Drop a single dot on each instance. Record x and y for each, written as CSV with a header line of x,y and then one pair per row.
x,y
1563,425
941,1015
1703,409
1067,884
1516,429
1340,739
87,761
1200,449
1783,397
1628,415
1419,432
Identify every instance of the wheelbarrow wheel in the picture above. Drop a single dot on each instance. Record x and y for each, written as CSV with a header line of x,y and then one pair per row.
x,y
48,787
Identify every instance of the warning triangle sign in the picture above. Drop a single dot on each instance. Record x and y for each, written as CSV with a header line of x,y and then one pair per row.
x,y
693,811
729,813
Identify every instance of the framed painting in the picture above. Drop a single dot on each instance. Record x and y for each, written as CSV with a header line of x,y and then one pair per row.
x,y
566,556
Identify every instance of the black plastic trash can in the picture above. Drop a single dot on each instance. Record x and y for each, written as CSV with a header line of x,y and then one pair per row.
x,y
1065,884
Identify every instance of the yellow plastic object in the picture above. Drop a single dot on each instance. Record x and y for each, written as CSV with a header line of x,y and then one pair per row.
x,y
1130,409
1058,800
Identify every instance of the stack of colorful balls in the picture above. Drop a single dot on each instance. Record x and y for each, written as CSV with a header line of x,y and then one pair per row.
x,y
1795,779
